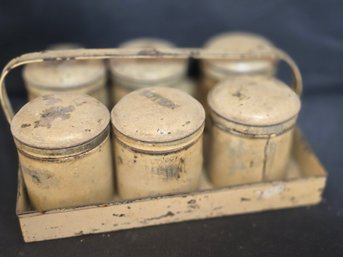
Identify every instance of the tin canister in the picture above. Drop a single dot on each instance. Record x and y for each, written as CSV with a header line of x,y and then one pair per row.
x,y
64,150
214,71
131,74
253,121
157,142
73,76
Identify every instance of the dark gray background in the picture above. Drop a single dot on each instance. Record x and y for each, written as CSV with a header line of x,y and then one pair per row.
x,y
310,31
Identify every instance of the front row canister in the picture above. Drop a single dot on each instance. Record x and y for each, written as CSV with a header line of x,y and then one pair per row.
x,y
64,150
252,128
157,142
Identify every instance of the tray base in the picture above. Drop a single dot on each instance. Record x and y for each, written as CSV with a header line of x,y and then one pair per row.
x,y
303,186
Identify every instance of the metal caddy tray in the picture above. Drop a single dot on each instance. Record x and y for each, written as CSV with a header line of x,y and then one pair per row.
x,y
304,183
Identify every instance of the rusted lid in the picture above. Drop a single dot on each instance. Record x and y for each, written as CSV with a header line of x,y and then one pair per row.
x,y
258,101
59,121
143,72
61,75
157,115
239,42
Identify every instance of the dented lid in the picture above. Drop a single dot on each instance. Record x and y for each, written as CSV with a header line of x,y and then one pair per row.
x,y
62,75
158,115
244,43
60,121
258,101
141,72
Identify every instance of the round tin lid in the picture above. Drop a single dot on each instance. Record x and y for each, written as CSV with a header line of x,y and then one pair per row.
x,y
59,121
144,71
258,101
158,115
61,75
239,42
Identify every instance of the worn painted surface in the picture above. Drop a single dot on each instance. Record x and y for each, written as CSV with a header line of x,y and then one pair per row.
x,y
65,156
97,90
157,142
304,185
251,130
79,77
72,181
187,85
214,71
141,174
234,159
129,75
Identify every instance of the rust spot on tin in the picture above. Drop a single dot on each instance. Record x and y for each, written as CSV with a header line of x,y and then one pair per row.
x,y
168,214
118,215
80,233
51,100
59,59
53,113
25,125
186,123
42,178
240,95
88,130
193,204
170,171
79,103
149,52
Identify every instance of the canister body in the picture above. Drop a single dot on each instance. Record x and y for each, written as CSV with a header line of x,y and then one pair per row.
x,y
141,174
97,90
85,178
239,159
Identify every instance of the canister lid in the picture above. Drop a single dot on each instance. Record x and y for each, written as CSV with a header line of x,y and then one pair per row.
x,y
257,101
62,75
59,121
146,71
158,115
239,42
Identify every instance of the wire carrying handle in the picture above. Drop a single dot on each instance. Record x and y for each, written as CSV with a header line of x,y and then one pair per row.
x,y
116,53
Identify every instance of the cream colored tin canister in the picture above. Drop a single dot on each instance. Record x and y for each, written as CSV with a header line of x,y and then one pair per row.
x,y
132,74
64,150
73,76
253,121
214,71
157,142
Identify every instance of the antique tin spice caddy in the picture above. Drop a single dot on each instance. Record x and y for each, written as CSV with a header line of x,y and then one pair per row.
x,y
303,184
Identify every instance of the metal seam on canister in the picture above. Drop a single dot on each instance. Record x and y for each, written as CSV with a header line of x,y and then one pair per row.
x,y
154,152
66,152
